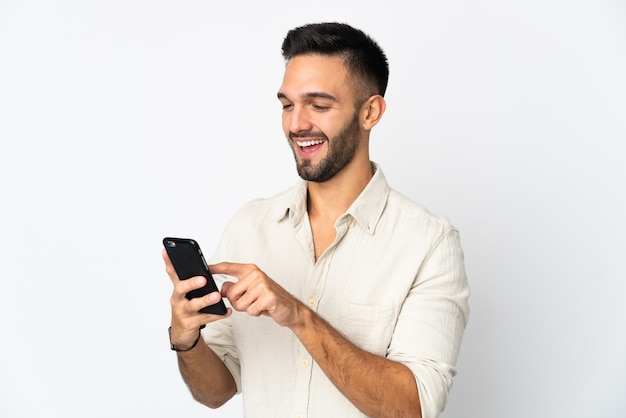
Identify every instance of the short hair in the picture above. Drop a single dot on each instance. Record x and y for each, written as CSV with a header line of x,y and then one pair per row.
x,y
363,57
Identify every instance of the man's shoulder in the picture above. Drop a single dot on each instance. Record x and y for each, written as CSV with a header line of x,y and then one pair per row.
x,y
403,212
411,212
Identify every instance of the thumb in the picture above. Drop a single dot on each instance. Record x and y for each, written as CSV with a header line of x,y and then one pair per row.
x,y
225,288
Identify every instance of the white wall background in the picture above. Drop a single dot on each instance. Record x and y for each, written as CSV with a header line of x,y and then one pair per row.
x,y
125,121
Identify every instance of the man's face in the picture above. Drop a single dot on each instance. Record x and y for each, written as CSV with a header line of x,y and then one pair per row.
x,y
319,116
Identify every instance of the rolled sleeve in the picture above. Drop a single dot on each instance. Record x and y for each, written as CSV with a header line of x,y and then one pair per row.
x,y
430,327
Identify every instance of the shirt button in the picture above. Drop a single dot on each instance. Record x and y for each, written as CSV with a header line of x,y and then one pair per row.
x,y
352,223
312,303
305,362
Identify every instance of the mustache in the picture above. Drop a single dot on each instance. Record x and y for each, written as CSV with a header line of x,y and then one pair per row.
x,y
307,134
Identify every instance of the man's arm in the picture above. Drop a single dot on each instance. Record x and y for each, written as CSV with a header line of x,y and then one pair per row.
x,y
376,386
207,377
209,380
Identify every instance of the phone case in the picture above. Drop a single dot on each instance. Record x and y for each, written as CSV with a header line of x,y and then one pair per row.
x,y
188,261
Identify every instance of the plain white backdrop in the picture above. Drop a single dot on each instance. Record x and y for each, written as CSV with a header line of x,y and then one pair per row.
x,y
122,122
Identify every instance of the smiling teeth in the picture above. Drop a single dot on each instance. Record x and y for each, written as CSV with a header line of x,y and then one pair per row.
x,y
309,143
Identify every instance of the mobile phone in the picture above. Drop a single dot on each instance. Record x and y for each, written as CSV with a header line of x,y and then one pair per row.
x,y
188,261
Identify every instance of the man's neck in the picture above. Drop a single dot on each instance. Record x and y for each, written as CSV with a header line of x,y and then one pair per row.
x,y
330,199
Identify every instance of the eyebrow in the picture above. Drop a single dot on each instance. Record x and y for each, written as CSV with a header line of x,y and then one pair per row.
x,y
311,95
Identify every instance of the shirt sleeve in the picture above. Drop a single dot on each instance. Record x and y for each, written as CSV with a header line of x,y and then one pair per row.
x,y
218,336
430,327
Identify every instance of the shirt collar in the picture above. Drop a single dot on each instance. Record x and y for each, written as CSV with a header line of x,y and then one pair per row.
x,y
366,210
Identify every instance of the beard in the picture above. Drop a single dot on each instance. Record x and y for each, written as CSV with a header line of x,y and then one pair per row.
x,y
341,151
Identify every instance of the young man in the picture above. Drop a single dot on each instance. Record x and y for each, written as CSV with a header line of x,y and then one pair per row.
x,y
347,299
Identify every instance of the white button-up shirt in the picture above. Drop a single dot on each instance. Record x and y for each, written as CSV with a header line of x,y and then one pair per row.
x,y
393,282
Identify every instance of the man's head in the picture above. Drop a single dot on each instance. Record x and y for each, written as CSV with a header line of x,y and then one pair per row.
x,y
331,96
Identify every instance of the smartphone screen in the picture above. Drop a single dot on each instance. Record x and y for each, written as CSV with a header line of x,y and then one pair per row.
x,y
188,261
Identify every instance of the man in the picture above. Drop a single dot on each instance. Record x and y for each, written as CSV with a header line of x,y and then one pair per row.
x,y
347,299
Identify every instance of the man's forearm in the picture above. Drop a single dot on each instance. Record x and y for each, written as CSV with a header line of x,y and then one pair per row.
x,y
208,378
376,386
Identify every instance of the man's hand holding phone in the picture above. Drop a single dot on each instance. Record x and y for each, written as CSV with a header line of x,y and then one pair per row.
x,y
195,299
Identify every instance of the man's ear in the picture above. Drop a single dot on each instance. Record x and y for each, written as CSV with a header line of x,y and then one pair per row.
x,y
372,110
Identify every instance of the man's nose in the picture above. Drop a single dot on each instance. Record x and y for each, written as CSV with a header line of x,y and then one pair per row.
x,y
299,120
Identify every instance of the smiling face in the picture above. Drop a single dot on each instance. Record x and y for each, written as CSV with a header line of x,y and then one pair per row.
x,y
319,118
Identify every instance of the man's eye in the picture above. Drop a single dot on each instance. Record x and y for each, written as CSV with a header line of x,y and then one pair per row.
x,y
320,107
287,106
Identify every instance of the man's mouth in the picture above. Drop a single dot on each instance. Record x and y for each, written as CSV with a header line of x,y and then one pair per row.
x,y
304,144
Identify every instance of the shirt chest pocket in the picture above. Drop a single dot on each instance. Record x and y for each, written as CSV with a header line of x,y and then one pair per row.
x,y
369,327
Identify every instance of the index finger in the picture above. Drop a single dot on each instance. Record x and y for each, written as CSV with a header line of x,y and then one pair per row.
x,y
236,270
